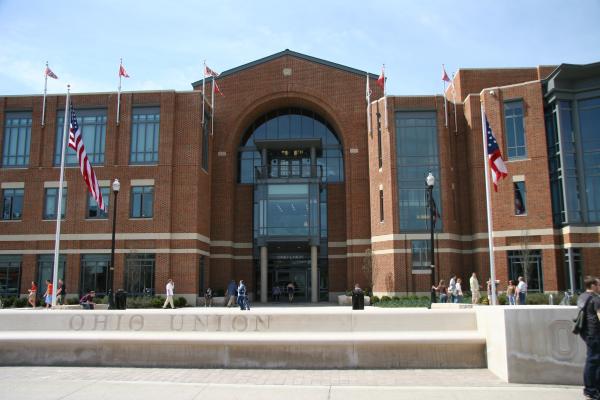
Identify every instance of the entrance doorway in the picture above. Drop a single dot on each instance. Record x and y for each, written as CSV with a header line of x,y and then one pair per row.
x,y
292,267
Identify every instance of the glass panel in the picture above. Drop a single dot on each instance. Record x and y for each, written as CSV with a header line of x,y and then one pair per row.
x,y
51,203
17,139
528,264
93,127
10,275
46,270
93,211
94,273
139,274
520,198
515,131
416,156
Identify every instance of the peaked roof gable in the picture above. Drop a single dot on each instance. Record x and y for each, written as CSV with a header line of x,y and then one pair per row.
x,y
291,53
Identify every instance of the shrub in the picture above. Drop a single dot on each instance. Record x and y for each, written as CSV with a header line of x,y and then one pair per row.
x,y
385,299
72,300
8,301
396,298
374,299
180,302
20,303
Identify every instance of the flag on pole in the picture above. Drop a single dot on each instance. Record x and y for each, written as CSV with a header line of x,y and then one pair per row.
x,y
209,72
381,79
49,73
122,74
122,71
497,165
89,176
445,77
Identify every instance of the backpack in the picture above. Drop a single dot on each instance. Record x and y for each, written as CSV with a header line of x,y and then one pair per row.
x,y
580,321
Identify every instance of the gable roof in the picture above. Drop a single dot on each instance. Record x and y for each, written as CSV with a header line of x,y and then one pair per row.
x,y
288,52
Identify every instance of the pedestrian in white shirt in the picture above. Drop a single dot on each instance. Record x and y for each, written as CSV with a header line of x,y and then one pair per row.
x,y
169,288
522,291
474,284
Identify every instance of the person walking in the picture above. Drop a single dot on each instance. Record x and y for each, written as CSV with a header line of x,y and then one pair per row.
x,y
459,293
31,299
510,293
231,292
474,286
169,292
61,292
290,292
522,291
241,297
589,302
452,289
48,294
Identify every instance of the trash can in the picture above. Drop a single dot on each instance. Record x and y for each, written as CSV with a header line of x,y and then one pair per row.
x,y
358,300
121,299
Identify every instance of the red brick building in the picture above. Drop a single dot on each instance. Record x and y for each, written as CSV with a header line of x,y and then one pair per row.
x,y
289,182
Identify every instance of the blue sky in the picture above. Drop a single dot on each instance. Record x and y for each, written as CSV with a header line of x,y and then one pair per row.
x,y
163,43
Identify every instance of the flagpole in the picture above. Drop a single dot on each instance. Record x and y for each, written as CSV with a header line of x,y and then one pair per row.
x,y
454,101
368,106
59,205
203,97
488,207
385,99
445,99
45,90
119,92
212,107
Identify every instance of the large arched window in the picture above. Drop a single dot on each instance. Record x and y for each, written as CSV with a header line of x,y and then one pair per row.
x,y
288,124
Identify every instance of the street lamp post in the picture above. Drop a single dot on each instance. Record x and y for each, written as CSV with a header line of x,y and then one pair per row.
x,y
116,186
430,181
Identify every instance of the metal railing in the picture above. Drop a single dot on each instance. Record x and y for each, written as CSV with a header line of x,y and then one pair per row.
x,y
288,171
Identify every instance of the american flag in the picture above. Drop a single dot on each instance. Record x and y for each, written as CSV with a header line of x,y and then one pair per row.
x,y
381,80
217,88
210,72
76,143
499,170
49,73
445,77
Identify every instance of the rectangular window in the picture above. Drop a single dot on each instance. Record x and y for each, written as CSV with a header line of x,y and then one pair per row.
x,y
379,149
145,129
139,274
12,204
142,201
520,198
205,129
528,264
10,275
17,138
94,273
45,270
93,129
51,203
589,121
420,255
515,130
381,216
416,156
93,211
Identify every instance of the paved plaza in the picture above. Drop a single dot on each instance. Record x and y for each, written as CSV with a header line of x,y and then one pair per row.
x,y
71,383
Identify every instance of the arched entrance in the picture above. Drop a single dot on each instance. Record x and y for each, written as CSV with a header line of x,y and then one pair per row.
x,y
290,155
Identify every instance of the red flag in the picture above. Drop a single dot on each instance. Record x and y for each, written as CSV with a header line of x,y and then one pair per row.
x,y
381,79
49,73
122,71
217,89
89,176
209,72
444,74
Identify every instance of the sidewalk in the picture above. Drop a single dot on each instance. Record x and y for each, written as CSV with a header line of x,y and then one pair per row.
x,y
70,383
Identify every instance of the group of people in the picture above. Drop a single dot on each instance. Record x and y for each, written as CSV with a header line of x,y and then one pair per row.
x,y
453,292
61,292
277,291
237,294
